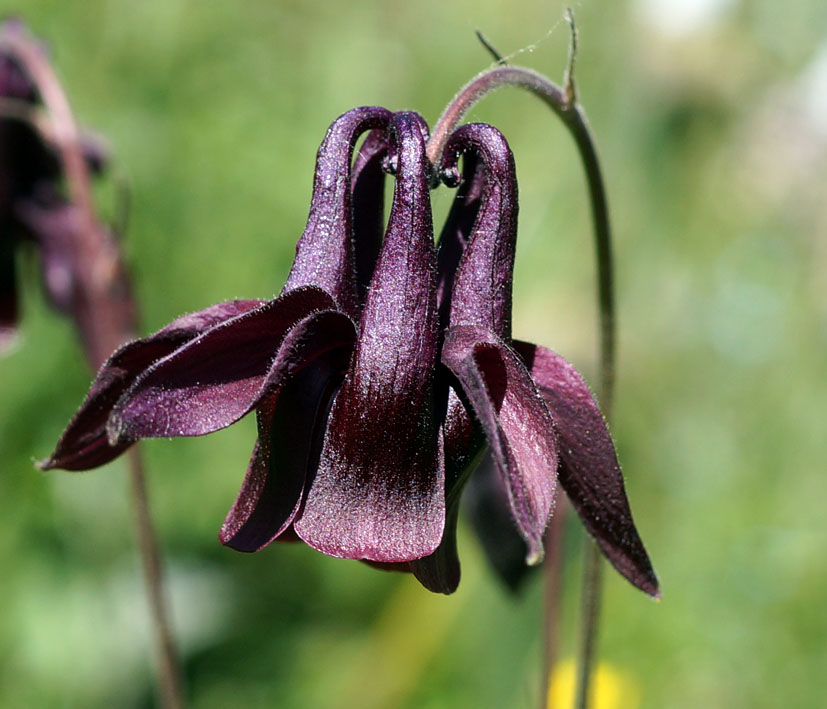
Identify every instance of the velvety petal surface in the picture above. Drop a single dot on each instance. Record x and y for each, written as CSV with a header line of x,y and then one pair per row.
x,y
516,422
475,263
215,379
378,492
290,431
84,443
481,292
457,230
324,254
368,206
589,471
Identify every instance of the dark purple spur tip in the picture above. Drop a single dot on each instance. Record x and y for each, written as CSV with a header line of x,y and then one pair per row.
x,y
54,229
325,253
215,379
589,471
485,501
378,491
440,572
516,422
84,443
481,292
305,374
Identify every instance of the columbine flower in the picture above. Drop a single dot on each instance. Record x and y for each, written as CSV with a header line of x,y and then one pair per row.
x,y
34,207
27,167
379,374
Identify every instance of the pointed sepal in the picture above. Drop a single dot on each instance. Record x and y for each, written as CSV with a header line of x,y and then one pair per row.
x,y
589,471
84,443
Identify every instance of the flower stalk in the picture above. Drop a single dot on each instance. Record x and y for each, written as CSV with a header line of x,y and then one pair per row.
x,y
103,311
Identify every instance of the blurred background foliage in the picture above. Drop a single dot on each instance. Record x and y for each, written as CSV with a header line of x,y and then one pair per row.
x,y
711,119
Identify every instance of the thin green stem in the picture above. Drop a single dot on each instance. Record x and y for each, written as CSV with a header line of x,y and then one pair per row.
x,y
563,101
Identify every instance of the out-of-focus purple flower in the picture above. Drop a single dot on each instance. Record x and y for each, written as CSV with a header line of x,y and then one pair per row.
x,y
81,265
380,374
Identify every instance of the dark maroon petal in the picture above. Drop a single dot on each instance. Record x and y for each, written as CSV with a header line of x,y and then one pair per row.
x,y
516,422
290,431
378,492
215,379
481,293
84,443
485,501
324,254
464,444
368,186
589,471
457,230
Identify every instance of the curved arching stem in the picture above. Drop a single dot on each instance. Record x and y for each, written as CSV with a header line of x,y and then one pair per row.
x,y
563,101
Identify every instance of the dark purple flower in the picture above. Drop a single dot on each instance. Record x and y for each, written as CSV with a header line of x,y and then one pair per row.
x,y
82,270
25,167
381,373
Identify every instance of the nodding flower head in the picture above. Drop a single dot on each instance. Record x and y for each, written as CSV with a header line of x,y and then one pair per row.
x,y
381,374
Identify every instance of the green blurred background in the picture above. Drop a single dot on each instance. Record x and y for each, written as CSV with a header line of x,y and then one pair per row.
x,y
711,118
